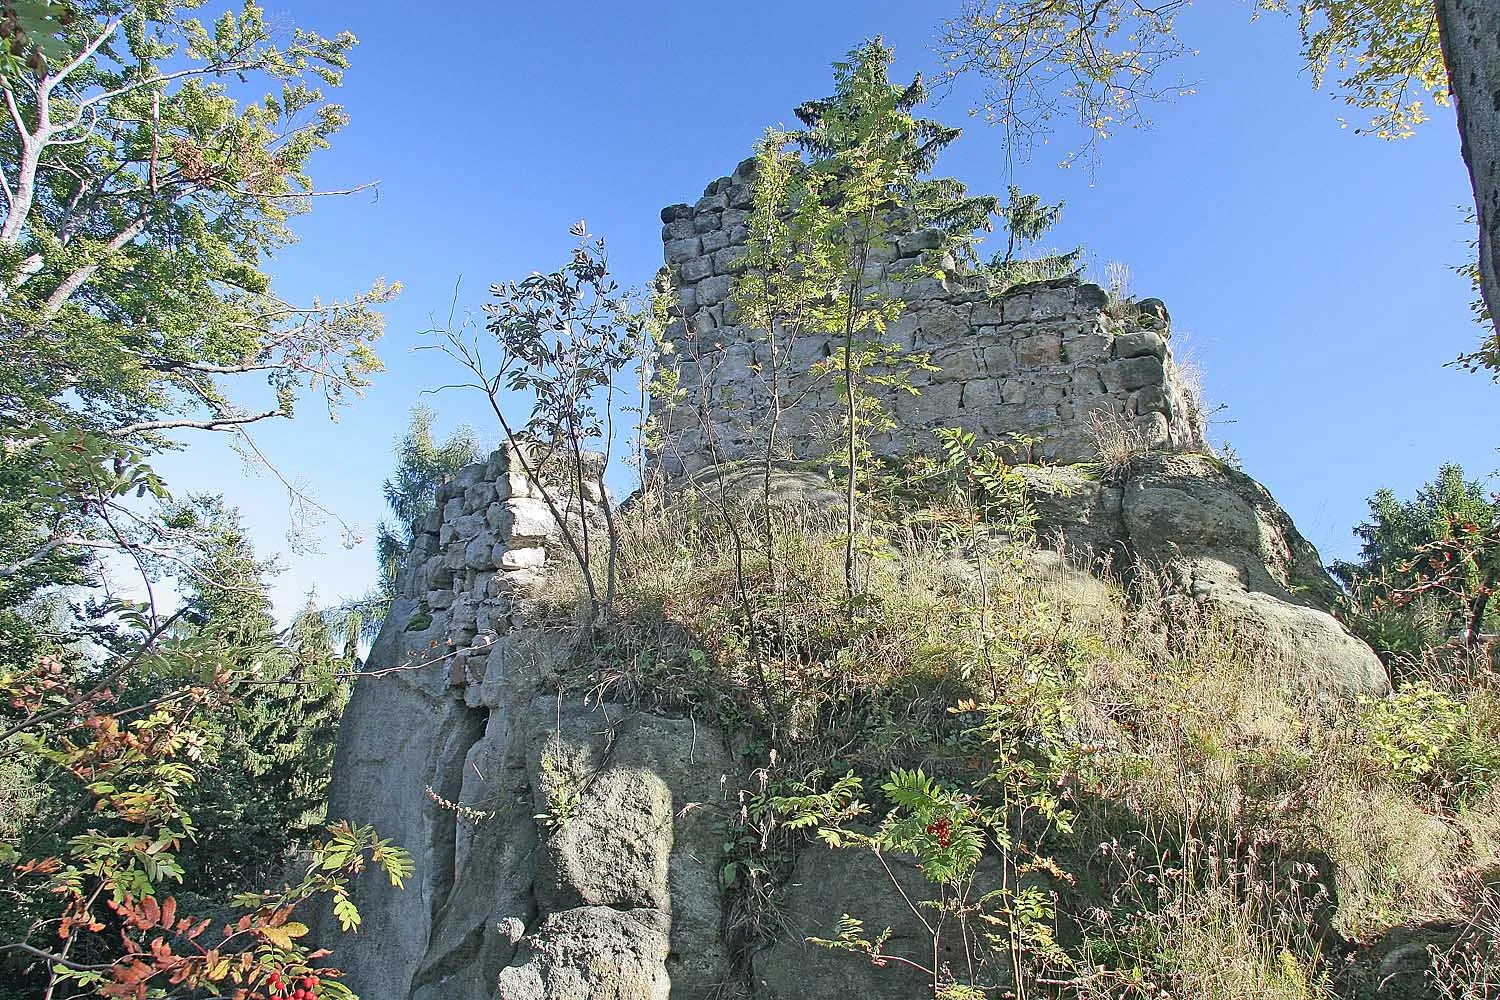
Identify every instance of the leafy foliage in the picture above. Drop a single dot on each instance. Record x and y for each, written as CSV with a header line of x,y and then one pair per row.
x,y
93,907
563,339
141,204
1427,567
1425,737
865,184
422,465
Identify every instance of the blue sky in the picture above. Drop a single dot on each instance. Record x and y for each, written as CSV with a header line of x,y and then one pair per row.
x,y
1307,269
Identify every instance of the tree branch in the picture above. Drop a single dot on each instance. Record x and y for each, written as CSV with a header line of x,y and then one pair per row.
x,y
216,423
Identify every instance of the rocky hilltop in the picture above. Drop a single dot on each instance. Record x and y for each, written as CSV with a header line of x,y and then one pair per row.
x,y
571,838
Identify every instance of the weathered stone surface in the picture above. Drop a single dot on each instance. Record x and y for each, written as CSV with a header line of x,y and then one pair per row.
x,y
694,269
713,290
1223,541
1044,328
595,953
454,748
824,886
678,251
523,558
1142,343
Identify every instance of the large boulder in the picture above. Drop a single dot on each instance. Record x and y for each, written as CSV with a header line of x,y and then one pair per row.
x,y
1220,538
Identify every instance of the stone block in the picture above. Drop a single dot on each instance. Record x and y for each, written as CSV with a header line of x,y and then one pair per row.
x,y
529,519
456,668
922,289
1151,399
678,251
1133,373
435,574
529,557
745,170
940,327
470,525
741,196
706,222
707,319
957,364
695,269
675,213
715,202
716,240
1084,380
713,289
679,229
478,496
1089,347
939,404
440,600
999,359
1051,303
986,314
478,553
461,616
1039,349
1016,308
726,261
1140,344
915,243
1089,297
980,394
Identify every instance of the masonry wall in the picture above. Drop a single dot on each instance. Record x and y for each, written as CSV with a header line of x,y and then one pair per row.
x,y
1036,361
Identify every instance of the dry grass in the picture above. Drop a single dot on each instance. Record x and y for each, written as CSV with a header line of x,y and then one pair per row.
x,y
1117,283
1183,742
1117,441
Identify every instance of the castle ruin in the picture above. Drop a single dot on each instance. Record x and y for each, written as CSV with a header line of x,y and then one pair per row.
x,y
1033,363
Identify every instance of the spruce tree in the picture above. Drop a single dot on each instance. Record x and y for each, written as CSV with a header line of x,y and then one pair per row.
x,y
868,181
274,741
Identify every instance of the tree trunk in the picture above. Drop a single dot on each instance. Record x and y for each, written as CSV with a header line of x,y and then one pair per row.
x,y
1470,33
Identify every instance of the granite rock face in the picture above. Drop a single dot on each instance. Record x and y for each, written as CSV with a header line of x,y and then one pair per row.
x,y
1223,541
562,849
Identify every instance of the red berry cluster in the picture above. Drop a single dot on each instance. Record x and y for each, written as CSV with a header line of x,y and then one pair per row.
x,y
305,988
942,829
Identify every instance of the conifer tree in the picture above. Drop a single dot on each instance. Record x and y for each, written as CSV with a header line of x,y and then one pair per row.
x,y
274,742
868,182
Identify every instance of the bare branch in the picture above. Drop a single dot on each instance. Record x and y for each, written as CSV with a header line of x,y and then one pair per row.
x,y
216,423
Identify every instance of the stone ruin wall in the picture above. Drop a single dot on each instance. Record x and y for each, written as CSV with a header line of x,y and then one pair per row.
x,y
1036,361
483,547
458,738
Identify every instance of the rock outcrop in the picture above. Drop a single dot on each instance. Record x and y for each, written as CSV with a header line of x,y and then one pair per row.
x,y
570,847
563,849
1223,541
